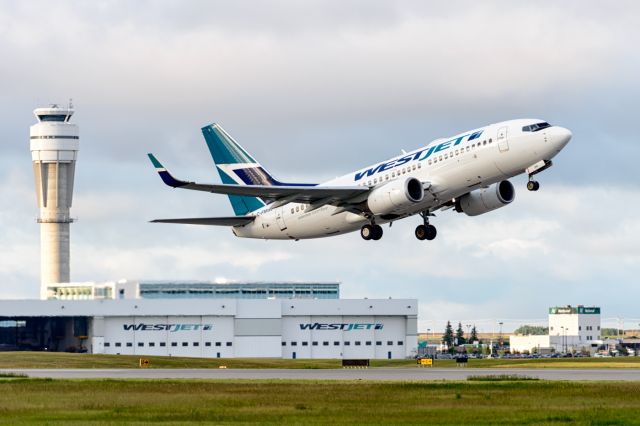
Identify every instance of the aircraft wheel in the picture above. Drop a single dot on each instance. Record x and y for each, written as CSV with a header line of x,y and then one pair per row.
x,y
431,232
421,232
366,232
377,232
533,185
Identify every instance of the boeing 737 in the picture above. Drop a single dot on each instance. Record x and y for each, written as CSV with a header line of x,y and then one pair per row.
x,y
467,172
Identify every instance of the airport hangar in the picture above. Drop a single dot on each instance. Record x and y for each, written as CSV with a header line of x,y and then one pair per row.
x,y
292,324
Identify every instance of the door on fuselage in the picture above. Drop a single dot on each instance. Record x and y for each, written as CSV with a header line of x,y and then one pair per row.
x,y
280,219
503,139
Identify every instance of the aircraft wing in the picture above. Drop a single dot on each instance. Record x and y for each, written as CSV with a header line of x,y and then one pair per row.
x,y
219,221
289,193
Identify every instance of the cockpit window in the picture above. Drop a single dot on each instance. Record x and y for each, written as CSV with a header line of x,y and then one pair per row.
x,y
536,127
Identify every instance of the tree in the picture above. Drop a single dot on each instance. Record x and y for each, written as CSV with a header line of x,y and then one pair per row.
x,y
610,332
460,335
447,337
474,335
534,330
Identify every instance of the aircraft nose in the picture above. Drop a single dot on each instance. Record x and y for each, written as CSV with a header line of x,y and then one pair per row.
x,y
560,136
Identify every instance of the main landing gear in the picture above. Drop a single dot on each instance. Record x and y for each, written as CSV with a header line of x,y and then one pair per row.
x,y
426,231
533,185
371,232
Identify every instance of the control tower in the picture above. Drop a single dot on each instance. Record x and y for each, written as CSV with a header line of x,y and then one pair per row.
x,y
54,150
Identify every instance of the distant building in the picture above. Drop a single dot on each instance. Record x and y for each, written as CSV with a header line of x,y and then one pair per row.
x,y
580,321
126,289
571,329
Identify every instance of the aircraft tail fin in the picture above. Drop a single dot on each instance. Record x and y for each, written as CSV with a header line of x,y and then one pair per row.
x,y
236,166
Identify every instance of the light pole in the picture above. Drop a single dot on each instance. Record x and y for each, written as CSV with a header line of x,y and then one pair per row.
x,y
500,336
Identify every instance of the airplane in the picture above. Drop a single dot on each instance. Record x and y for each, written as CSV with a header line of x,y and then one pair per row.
x,y
467,172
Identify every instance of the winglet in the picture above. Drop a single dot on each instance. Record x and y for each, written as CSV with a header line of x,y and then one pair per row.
x,y
164,174
155,161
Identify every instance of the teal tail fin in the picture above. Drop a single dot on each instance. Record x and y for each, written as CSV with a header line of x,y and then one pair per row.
x,y
236,166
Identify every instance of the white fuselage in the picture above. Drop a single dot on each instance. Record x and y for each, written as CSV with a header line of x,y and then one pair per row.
x,y
448,167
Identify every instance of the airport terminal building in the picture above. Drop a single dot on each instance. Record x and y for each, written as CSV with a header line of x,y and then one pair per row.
x,y
172,289
215,328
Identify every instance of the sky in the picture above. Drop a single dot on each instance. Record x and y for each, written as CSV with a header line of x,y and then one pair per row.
x,y
316,89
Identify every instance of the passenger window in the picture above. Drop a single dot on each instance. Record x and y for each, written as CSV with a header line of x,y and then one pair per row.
x,y
413,167
291,210
484,143
440,158
393,174
297,208
489,140
419,165
473,146
429,162
468,149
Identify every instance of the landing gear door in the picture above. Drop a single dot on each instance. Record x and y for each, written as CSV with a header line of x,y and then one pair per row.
x,y
503,140
280,218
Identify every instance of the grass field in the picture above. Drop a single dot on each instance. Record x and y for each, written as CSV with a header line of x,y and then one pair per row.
x,y
26,401
10,360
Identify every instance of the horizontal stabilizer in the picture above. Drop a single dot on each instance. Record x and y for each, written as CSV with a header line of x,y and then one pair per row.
x,y
217,221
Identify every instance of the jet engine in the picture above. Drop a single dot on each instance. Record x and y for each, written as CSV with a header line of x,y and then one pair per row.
x,y
395,196
486,199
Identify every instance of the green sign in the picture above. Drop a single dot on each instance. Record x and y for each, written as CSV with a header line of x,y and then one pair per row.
x,y
574,310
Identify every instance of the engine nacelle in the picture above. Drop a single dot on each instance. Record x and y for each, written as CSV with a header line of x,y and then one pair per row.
x,y
395,196
486,199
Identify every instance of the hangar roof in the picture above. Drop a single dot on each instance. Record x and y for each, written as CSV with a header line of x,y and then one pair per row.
x,y
241,308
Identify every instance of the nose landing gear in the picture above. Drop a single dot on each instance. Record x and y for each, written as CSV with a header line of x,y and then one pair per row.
x,y
426,231
371,232
540,166
533,185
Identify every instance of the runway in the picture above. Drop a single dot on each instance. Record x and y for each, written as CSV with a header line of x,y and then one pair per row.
x,y
381,374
